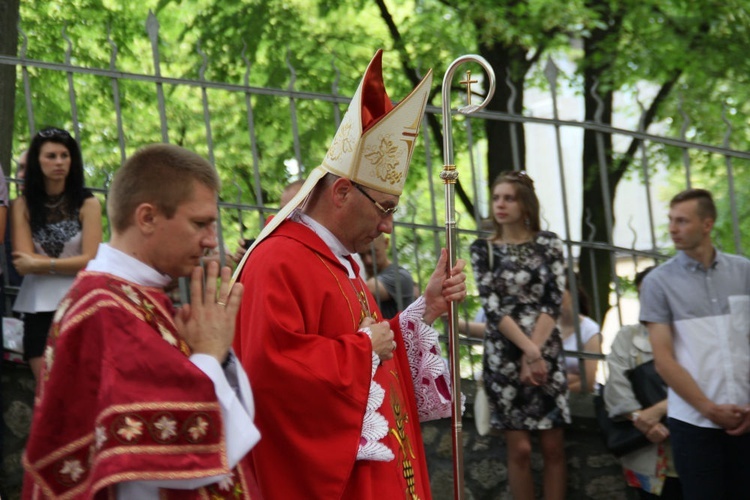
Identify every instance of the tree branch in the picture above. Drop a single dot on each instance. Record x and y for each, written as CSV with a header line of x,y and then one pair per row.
x,y
648,118
413,76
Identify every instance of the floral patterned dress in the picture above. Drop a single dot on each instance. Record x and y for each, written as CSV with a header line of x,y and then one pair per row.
x,y
525,280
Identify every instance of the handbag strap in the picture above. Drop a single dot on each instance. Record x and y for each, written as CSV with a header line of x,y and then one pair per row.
x,y
490,255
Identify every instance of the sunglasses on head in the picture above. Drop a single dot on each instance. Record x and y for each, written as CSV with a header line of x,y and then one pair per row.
x,y
54,133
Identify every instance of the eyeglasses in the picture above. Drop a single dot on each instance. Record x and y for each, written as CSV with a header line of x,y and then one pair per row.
x,y
54,133
385,212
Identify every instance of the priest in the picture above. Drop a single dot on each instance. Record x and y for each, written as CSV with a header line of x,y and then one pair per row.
x,y
343,391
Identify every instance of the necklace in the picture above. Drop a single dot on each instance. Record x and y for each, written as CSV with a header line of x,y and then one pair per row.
x,y
56,208
54,201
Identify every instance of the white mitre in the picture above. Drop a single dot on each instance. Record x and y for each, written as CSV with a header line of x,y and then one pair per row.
x,y
372,147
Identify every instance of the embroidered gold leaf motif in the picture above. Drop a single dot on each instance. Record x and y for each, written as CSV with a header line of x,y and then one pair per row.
x,y
167,335
131,294
100,436
148,311
166,427
198,430
227,483
131,429
72,469
342,142
384,159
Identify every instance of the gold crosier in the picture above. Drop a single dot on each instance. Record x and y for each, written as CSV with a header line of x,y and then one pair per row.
x,y
449,175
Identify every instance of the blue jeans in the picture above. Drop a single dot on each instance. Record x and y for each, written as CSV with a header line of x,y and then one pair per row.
x,y
711,463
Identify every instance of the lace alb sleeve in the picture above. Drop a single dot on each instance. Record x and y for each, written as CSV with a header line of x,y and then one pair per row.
x,y
429,371
374,425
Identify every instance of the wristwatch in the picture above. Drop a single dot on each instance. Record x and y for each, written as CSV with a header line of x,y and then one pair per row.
x,y
634,416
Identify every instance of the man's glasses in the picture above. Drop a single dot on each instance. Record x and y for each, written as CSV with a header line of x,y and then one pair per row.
x,y
385,212
54,133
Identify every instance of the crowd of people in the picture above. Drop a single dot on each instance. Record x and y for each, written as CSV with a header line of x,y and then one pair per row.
x,y
318,358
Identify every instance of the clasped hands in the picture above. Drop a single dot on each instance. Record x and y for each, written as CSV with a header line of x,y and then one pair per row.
x,y
533,366
734,419
207,323
649,423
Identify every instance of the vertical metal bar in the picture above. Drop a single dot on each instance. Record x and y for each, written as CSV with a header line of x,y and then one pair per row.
x,y
594,274
210,143
550,72
633,244
683,136
472,168
71,86
116,97
730,179
107,182
646,174
606,195
513,132
399,290
240,223
293,111
27,84
335,93
152,28
253,138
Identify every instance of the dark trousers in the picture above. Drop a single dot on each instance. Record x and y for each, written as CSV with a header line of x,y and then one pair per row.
x,y
672,490
711,463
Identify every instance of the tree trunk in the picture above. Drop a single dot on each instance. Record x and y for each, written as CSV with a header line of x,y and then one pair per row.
x,y
505,61
8,47
596,266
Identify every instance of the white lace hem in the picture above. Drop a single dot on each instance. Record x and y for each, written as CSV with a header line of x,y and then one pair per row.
x,y
430,377
429,372
374,425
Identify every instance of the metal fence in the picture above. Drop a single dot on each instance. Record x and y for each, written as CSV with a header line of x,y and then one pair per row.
x,y
419,231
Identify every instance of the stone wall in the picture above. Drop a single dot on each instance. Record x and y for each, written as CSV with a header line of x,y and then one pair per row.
x,y
593,473
17,391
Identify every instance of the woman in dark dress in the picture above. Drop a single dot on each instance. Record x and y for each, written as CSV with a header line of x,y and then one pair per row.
x,y
521,277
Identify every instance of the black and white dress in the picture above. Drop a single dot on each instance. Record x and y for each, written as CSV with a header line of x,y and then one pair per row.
x,y
526,280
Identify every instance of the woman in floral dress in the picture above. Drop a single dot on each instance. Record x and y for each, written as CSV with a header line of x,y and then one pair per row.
x,y
520,286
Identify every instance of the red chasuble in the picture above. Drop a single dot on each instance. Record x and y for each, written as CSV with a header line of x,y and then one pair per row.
x,y
120,401
311,372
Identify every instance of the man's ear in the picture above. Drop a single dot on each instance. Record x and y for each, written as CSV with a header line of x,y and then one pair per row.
x,y
341,189
145,217
708,224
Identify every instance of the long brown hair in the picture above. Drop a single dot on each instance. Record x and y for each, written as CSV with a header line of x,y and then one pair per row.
x,y
526,197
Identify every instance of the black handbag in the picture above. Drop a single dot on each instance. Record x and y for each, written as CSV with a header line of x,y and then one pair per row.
x,y
621,436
